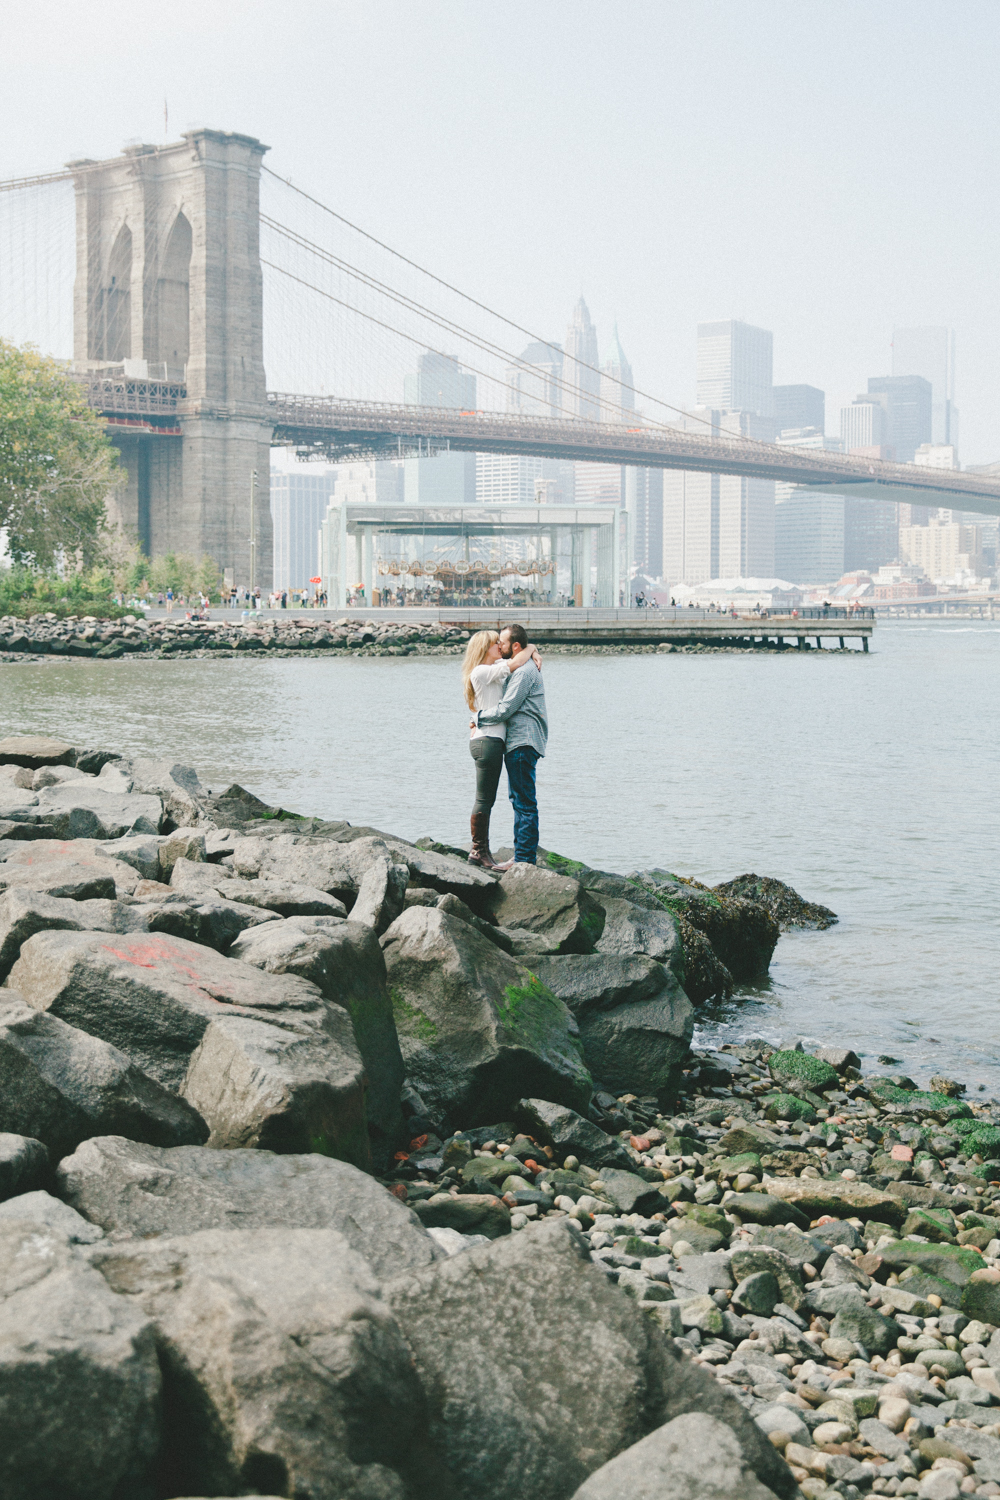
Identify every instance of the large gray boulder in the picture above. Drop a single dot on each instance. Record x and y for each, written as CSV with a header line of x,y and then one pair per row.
x,y
629,929
24,1164
79,1377
77,810
285,899
51,1213
262,1057
34,750
24,912
636,1023
130,1189
554,1373
570,1134
69,869
555,909
431,868
206,919
59,1085
695,1457
345,962
282,1366
176,785
476,1029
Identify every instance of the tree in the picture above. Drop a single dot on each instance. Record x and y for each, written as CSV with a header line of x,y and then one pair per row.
x,y
57,466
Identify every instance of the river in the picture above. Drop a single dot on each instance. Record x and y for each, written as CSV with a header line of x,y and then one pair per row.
x,y
867,782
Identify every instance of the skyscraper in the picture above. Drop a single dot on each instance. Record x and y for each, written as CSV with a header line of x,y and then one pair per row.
x,y
746,508
799,406
808,525
299,498
908,412
735,367
691,513
930,352
533,384
617,393
581,394
863,425
644,502
440,381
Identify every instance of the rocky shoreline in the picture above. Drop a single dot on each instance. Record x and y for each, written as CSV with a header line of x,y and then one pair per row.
x,y
332,1166
48,638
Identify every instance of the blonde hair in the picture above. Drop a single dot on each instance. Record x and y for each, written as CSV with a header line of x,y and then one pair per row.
x,y
475,655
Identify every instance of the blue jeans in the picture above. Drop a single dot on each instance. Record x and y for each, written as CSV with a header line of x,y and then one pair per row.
x,y
520,765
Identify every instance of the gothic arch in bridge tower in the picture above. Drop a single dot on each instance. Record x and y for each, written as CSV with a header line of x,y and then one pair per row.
x,y
114,324
168,342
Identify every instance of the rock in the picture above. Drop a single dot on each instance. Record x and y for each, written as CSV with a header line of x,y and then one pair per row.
x,y
435,871
813,1072
570,1134
41,1208
24,1164
287,900
196,878
56,868
742,934
553,908
176,785
758,1293
24,912
262,1057
785,905
694,1457
843,1199
151,996
630,1193
555,1370
635,1021
183,843
130,1189
79,1378
762,1208
345,962
381,893
139,850
34,750
285,1087
702,1273
210,922
954,1263
60,1086
840,1058
469,1213
630,930
779,1418
801,1249
295,1314
750,1262
92,762
477,1030
862,1324
748,1136
82,811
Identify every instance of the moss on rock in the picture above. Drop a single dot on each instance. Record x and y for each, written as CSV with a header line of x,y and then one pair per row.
x,y
812,1071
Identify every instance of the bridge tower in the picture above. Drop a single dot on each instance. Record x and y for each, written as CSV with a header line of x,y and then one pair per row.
x,y
168,287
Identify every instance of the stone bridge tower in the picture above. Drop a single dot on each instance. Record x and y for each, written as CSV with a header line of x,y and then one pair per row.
x,y
168,288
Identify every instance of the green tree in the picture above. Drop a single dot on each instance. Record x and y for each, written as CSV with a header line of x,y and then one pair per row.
x,y
57,466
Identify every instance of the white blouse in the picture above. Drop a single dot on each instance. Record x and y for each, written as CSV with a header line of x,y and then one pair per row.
x,y
488,684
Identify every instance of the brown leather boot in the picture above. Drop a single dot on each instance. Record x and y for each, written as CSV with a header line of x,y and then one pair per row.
x,y
480,854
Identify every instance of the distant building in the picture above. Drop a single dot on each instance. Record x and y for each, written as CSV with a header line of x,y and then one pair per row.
x,y
808,524
441,479
863,425
735,368
298,505
937,456
581,390
440,381
533,384
644,502
907,412
798,406
617,392
930,352
871,534
942,549
599,484
718,525
379,483
746,508
513,479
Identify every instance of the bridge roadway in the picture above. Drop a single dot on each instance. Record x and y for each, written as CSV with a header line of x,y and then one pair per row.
x,y
330,427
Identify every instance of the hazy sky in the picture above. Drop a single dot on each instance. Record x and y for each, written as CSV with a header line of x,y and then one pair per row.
x,y
823,168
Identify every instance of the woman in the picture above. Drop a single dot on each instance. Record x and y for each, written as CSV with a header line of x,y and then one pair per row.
x,y
484,677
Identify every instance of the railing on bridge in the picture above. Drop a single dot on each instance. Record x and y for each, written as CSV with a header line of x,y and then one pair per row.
x,y
121,394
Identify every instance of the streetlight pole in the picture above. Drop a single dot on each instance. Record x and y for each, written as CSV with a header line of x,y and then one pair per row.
x,y
253,537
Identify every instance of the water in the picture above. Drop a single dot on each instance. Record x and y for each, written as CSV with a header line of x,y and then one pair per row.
x,y
867,782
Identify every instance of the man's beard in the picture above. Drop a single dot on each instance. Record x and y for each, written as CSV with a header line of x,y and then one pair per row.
x,y
506,650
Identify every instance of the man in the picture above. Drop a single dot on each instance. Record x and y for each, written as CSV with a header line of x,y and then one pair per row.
x,y
522,709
